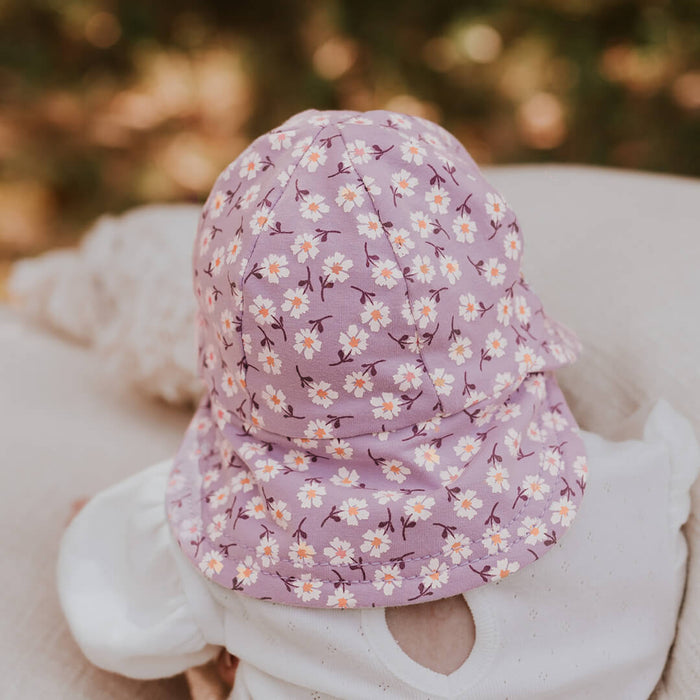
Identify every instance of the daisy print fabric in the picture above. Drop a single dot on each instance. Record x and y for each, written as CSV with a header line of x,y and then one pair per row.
x,y
382,423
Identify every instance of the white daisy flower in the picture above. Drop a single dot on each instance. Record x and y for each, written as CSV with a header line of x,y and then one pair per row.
x,y
551,461
426,456
341,599
450,269
385,406
251,165
505,568
267,551
263,309
404,183
464,229
386,273
368,225
460,351
321,394
281,140
424,311
376,542
435,573
353,340
495,272
306,342
313,157
495,207
387,578
274,267
296,301
422,268
376,314
345,477
353,510
495,539
419,507
467,307
438,200
533,530
563,511
270,361
339,552
457,547
408,376
211,563
357,383
420,223
349,196
467,504
336,267
442,381
534,486
261,219
512,245
304,247
401,242
395,470
497,479
307,588
412,151
314,207
247,571
301,554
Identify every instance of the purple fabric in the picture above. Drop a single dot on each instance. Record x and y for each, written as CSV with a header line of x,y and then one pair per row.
x,y
382,424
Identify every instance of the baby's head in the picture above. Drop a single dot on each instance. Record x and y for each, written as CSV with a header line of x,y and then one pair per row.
x,y
382,423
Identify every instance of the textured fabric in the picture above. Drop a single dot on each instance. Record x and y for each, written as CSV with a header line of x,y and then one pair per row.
x,y
382,421
50,387
127,271
546,631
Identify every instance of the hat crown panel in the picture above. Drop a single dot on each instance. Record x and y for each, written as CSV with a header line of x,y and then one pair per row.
x,y
361,275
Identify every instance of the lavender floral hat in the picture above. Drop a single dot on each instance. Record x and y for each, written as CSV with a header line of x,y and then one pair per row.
x,y
382,423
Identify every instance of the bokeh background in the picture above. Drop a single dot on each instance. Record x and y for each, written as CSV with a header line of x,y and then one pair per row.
x,y
107,105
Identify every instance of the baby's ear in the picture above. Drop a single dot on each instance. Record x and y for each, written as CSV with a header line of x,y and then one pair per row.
x,y
438,634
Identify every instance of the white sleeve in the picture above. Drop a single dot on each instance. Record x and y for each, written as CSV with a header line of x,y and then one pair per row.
x,y
122,590
666,424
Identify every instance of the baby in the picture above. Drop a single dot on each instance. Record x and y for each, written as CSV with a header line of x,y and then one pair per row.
x,y
383,492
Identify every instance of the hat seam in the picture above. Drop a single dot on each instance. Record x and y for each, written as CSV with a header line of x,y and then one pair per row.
x,y
469,562
255,244
516,515
398,265
442,416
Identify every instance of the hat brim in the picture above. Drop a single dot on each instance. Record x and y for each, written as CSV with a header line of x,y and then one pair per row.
x,y
492,489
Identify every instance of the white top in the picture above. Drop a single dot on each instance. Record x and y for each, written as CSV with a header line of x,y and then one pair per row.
x,y
593,618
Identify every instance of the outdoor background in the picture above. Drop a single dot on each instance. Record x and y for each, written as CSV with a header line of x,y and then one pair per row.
x,y
107,105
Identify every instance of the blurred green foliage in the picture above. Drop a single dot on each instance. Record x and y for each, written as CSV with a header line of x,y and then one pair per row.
x,y
106,105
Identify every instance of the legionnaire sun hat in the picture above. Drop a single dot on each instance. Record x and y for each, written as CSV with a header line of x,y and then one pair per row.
x,y
382,424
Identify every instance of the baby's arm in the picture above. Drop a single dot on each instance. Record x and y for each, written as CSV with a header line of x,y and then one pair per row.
x,y
121,590
226,664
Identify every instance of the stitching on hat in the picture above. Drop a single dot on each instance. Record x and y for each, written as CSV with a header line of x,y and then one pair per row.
x,y
444,416
468,562
398,264
517,514
263,232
